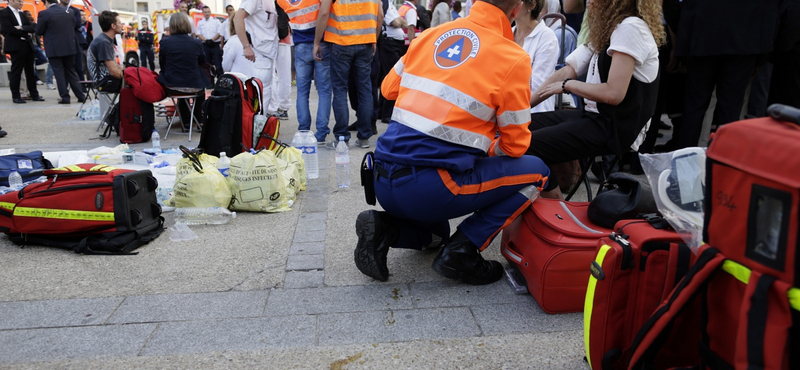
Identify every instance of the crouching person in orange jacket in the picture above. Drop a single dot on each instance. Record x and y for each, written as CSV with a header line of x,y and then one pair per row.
x,y
454,146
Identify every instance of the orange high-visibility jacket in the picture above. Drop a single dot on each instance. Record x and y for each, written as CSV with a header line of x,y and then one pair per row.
x,y
302,13
464,82
353,22
403,10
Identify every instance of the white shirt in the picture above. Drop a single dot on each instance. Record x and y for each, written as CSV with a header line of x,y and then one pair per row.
x,y
19,21
411,14
392,32
226,31
233,59
633,37
542,46
209,28
263,27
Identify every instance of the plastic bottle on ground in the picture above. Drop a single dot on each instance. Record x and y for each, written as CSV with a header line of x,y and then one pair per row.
x,y
203,216
342,164
224,164
155,138
14,180
310,155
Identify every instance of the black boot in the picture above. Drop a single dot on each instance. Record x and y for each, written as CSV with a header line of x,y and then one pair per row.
x,y
460,259
376,233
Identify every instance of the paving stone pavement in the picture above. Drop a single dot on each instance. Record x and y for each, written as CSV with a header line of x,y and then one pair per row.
x,y
288,298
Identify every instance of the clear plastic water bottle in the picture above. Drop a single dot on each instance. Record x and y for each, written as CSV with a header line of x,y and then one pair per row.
x,y
224,164
155,138
298,140
342,164
310,155
203,216
14,180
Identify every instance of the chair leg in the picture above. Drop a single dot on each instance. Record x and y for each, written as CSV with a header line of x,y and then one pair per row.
x,y
192,120
585,166
171,118
105,115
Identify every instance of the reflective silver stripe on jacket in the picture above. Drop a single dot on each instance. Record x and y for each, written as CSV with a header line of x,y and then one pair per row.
x,y
440,131
453,96
304,26
398,67
354,18
354,32
530,191
497,151
300,12
514,117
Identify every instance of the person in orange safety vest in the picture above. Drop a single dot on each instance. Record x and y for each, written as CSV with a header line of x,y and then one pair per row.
x,y
454,147
409,12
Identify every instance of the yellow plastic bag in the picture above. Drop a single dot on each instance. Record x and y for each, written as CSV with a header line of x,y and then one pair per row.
x,y
295,157
291,179
198,183
257,183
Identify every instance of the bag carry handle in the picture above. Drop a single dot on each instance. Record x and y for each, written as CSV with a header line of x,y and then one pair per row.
x,y
786,113
193,158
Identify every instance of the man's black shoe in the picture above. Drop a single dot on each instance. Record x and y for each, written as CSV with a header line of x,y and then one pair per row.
x,y
460,259
385,120
3,133
375,236
19,101
352,127
374,128
38,98
62,101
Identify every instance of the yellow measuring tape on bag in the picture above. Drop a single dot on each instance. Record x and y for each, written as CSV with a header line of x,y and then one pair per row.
x,y
63,214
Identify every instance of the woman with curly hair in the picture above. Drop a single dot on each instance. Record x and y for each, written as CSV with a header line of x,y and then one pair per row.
x,y
620,62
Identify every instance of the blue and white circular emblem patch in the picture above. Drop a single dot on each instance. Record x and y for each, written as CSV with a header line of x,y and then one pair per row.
x,y
295,2
454,47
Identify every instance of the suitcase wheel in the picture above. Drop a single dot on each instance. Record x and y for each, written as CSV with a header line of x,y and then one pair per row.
x,y
136,217
156,209
133,188
152,184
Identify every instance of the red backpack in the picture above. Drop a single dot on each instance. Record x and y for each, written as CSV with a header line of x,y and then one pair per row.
x,y
144,84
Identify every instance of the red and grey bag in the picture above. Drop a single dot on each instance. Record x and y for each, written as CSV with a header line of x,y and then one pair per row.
x,y
144,84
636,268
552,243
88,208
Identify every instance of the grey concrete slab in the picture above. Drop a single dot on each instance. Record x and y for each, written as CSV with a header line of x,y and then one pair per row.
x,y
235,334
307,248
197,306
312,221
55,313
337,299
396,326
454,293
523,318
305,262
303,235
304,279
77,342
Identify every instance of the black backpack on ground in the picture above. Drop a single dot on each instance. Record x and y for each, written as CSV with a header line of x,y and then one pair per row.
x,y
222,130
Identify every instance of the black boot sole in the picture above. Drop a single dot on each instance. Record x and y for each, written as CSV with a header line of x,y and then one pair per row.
x,y
367,256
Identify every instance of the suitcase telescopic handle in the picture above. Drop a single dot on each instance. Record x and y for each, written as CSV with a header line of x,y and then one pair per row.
x,y
784,113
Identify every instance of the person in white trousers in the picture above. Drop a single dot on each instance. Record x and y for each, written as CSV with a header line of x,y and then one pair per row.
x,y
282,81
260,19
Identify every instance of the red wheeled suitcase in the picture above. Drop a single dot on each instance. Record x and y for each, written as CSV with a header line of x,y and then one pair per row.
x,y
136,118
553,244
635,269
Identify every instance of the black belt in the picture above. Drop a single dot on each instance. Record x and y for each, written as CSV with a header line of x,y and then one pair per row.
x,y
403,172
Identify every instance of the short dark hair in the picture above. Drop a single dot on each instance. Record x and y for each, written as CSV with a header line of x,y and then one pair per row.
x,y
107,19
229,6
457,6
52,1
206,7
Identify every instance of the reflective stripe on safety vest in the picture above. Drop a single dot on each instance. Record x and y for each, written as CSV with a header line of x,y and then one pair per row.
x,y
63,214
302,14
353,22
402,11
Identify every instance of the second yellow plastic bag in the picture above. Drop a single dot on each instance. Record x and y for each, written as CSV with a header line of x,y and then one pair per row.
x,y
257,183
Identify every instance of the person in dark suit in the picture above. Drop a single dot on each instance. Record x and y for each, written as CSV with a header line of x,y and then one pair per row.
x,y
80,40
722,43
181,57
18,43
58,26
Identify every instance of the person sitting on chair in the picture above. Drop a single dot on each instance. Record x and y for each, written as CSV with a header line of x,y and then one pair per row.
x,y
181,57
621,64
101,57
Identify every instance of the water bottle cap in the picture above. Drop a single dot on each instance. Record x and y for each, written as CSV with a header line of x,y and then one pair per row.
x,y
341,138
233,214
222,154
